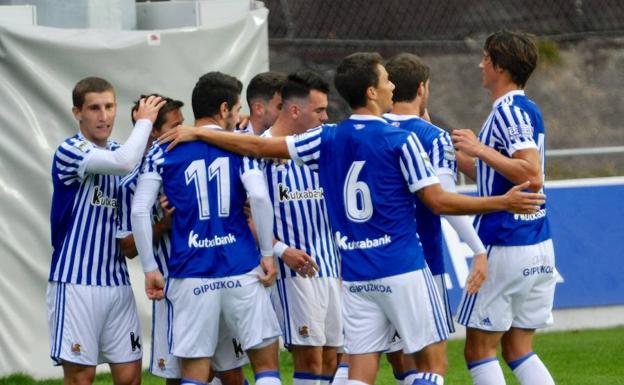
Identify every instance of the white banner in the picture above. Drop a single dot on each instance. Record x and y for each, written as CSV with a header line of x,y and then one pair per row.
x,y
38,69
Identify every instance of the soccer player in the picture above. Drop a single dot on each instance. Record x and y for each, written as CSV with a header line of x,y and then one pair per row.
x,y
517,296
214,278
308,308
91,310
369,171
411,79
265,101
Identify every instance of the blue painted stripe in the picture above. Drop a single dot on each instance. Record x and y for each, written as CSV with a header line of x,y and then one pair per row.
x,y
435,305
474,364
187,381
268,373
305,376
151,364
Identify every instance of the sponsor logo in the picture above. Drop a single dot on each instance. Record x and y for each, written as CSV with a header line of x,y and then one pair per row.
x,y
543,269
370,287
75,348
195,242
304,331
162,364
530,217
99,199
216,285
285,194
345,244
135,342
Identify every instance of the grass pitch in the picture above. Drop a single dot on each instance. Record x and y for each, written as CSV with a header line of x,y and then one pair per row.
x,y
587,357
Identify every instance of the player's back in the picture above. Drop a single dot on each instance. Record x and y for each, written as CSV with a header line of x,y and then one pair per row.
x,y
210,236
369,200
439,148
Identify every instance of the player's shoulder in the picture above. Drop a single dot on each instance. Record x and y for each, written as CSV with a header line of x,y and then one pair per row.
x,y
73,148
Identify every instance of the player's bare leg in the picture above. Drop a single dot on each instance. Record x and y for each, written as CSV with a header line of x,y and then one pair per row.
x,y
172,381
127,373
330,361
308,359
363,367
396,361
75,374
342,371
517,346
432,359
265,364
232,377
480,355
195,369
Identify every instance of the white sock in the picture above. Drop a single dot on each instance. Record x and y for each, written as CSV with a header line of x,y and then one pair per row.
x,y
325,380
356,382
423,378
486,372
215,381
342,375
303,378
531,370
186,381
410,376
268,378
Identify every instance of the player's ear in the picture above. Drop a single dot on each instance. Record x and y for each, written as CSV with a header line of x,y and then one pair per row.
x,y
293,110
77,113
421,89
224,109
371,93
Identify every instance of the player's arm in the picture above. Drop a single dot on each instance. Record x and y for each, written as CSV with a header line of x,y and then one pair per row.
x,y
160,228
248,145
462,225
466,164
121,161
145,195
262,216
524,164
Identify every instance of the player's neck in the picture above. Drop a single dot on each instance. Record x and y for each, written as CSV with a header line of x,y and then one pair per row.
x,y
283,126
407,108
256,125
100,143
369,109
502,89
210,121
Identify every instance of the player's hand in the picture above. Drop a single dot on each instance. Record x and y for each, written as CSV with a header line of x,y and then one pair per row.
x,y
478,274
243,122
466,141
148,108
520,202
247,209
177,135
168,211
270,273
154,285
300,262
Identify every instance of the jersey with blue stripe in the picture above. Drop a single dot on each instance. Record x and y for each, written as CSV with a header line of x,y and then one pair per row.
x,y
301,219
82,218
514,124
369,171
125,193
210,237
439,148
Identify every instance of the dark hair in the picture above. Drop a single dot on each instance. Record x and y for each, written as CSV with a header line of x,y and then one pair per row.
x,y
170,105
515,52
406,71
300,83
355,74
211,90
89,84
264,85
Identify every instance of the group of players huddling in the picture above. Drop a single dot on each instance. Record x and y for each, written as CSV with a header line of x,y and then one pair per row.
x,y
339,249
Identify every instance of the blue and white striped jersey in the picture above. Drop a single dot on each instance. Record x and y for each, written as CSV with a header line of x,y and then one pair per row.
x,y
125,193
514,124
210,237
301,219
369,171
82,218
439,147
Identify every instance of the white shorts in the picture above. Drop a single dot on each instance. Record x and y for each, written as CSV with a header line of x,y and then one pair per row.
x,y
408,303
90,325
440,280
309,312
228,355
518,291
198,304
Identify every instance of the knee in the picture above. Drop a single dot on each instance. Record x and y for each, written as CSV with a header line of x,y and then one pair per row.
x,y
330,362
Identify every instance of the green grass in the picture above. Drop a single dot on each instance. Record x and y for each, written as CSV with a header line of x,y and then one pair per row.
x,y
588,357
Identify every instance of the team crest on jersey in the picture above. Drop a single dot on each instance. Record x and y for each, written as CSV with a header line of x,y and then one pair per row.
x,y
75,348
99,199
304,331
162,364
286,195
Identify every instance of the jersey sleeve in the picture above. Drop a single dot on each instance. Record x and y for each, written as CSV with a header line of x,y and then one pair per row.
x,y
442,155
153,160
250,164
306,148
124,197
415,164
515,128
69,160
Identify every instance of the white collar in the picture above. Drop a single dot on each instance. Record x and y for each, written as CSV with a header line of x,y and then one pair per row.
x,y
213,127
507,95
366,117
397,117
